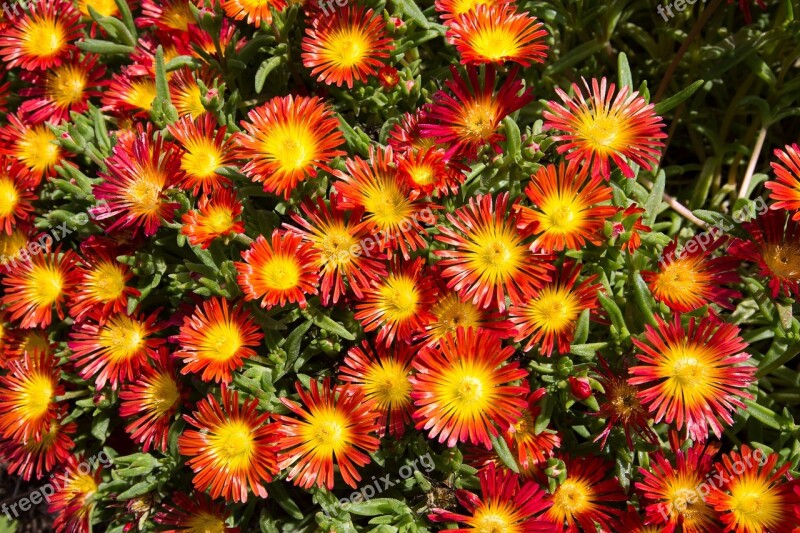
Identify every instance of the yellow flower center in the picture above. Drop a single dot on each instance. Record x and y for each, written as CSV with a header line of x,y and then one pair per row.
x,y
106,8
204,522
65,85
36,395
11,245
603,132
291,145
201,159
44,37
106,282
189,101
495,253
690,373
281,273
141,93
387,382
464,6
783,260
422,174
562,216
124,338
451,313
178,16
399,298
82,485
494,43
233,446
9,196
347,47
221,341
755,504
336,246
145,192
219,220
573,497
162,394
327,432
480,120
386,204
623,400
46,283
36,148
555,309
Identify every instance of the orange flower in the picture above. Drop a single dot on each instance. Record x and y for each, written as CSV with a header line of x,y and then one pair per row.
x,y
785,190
186,93
255,11
166,15
42,36
74,502
449,9
280,273
195,513
33,145
531,448
204,151
233,447
40,455
127,93
16,194
214,217
102,285
335,425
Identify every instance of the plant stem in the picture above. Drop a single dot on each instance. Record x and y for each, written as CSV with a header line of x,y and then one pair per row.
x,y
751,166
681,209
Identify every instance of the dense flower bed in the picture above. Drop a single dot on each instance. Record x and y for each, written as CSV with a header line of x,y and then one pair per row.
x,y
392,266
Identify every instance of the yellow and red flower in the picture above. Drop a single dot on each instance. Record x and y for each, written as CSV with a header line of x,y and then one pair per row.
x,y
496,34
166,15
231,449
38,456
216,216
490,259
461,391
755,494
186,93
73,502
449,9
135,184
692,278
340,239
335,425
621,407
254,11
114,349
693,376
426,171
106,8
33,145
348,45
582,500
381,374
150,402
601,126
288,139
16,194
127,93
204,151
785,190
567,210
626,226
41,36
398,305
19,341
391,213
549,317
195,513
216,339
470,117
102,285
46,282
531,448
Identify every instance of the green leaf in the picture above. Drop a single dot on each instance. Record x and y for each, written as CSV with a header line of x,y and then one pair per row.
x,y
513,139
653,201
678,98
762,414
139,489
325,322
278,493
263,71
409,8
127,17
104,47
624,71
614,313
162,111
644,299
377,507
292,346
501,448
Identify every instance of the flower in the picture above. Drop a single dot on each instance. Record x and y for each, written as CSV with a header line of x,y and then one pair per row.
x,y
40,455
775,248
398,304
150,402
531,448
626,226
138,176
461,391
127,93
470,117
449,9
279,273
496,34
388,77
115,348
166,15
382,375
216,339
204,151
33,146
186,93
232,447
549,318
340,239
47,281
490,259
195,513
693,376
288,139
101,285
41,37
16,193
567,212
624,128
426,171
73,502
507,505
214,217
332,427
692,278
754,495
348,45
583,498
255,11
106,8
785,190
621,407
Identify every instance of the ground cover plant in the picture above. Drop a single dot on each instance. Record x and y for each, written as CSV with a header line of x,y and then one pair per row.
x,y
363,265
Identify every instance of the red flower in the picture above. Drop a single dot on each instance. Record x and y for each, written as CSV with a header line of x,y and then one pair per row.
x,y
42,36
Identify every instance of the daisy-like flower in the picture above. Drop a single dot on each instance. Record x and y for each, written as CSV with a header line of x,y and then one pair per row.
x,y
37,457
621,407
335,425
391,214
129,94
254,11
692,278
755,494
135,183
197,513
288,139
496,34
449,9
388,77
54,93
693,376
626,227
28,397
775,248
16,194
42,36
490,258
461,391
186,92
280,272
204,151
340,239
348,45
670,490
785,190
232,447
73,502
102,285
21,341
623,128
150,402
505,504
470,117
216,339
567,213
36,287
33,145
531,448
426,171
113,349
12,247
583,499
398,305
382,375
549,318
215,217
166,15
